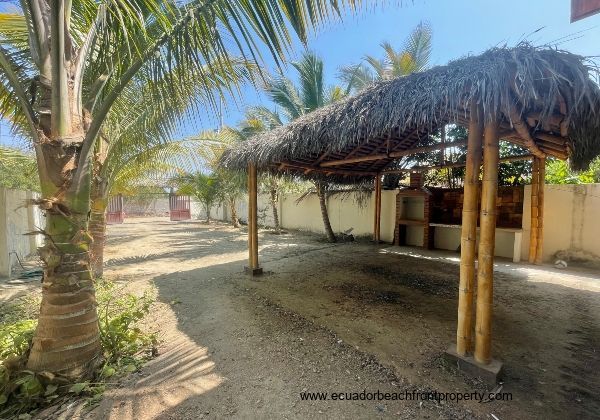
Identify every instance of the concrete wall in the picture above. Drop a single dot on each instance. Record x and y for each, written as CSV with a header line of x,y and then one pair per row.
x,y
16,219
217,212
344,214
571,222
570,214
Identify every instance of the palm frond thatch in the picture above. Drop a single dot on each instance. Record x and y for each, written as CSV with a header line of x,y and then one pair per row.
x,y
537,81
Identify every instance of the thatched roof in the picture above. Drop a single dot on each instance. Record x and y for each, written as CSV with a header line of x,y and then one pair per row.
x,y
548,92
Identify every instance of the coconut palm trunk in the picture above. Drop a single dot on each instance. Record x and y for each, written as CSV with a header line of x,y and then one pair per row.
x,y
235,221
66,339
273,199
208,213
273,194
324,214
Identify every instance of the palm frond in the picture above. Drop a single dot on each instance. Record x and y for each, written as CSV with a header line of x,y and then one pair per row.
x,y
264,118
378,65
356,77
282,91
310,75
418,45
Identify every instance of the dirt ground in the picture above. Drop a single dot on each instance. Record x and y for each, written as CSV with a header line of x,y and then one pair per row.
x,y
339,318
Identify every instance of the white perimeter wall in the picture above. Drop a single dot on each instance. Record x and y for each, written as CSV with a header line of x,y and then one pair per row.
x,y
17,219
571,219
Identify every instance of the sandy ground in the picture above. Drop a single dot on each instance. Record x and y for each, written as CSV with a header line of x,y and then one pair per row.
x,y
344,317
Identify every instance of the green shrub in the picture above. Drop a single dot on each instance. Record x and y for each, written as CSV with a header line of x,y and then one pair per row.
x,y
125,348
15,338
124,343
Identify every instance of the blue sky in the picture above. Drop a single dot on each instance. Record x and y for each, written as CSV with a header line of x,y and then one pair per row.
x,y
460,27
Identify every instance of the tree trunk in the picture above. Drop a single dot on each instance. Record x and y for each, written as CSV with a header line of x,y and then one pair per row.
x,y
66,340
321,193
207,214
273,194
235,221
67,337
97,228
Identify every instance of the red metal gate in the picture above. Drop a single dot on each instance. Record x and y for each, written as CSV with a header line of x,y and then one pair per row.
x,y
179,207
114,211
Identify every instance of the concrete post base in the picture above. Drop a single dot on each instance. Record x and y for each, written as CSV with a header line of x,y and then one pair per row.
x,y
253,271
490,374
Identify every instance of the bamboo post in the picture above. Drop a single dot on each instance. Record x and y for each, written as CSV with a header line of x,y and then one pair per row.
x,y
252,220
540,209
250,217
468,238
533,233
377,212
487,235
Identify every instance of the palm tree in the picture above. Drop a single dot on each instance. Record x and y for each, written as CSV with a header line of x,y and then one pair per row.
x,y
232,185
206,188
295,101
413,57
63,69
258,119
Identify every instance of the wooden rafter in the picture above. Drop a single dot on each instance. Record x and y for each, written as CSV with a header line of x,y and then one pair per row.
x,y
393,155
308,169
522,128
515,158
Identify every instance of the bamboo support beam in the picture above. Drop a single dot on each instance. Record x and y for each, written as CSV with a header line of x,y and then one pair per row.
x,y
253,266
487,222
392,155
468,238
540,235
533,233
515,158
522,129
559,141
354,160
377,210
335,171
554,153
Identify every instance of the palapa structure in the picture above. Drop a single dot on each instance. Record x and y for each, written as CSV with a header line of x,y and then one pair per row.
x,y
542,99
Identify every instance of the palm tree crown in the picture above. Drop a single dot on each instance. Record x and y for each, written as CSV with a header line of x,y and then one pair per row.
x,y
414,56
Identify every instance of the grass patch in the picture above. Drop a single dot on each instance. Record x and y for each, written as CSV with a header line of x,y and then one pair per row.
x,y
126,346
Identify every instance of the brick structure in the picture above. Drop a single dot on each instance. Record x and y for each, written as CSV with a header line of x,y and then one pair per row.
x,y
444,206
416,189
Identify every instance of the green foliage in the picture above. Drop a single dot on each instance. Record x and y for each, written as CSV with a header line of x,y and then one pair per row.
x,y
18,171
558,172
513,173
120,314
231,183
15,338
413,56
126,346
309,94
206,188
